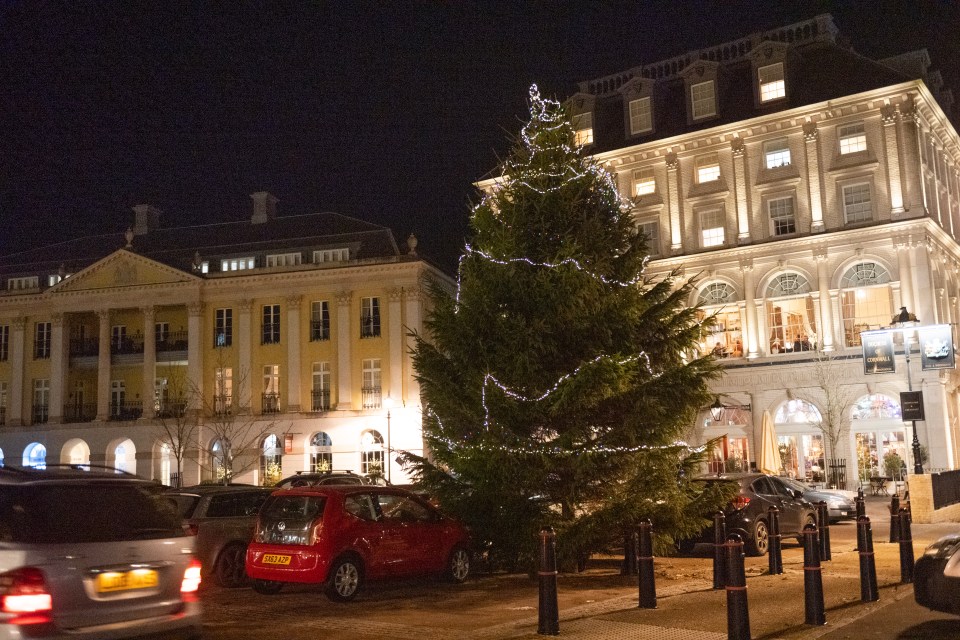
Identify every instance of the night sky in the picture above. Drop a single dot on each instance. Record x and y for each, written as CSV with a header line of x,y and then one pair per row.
x,y
385,111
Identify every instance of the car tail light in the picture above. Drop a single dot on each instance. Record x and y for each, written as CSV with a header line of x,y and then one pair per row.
x,y
315,530
740,502
191,528
24,594
191,581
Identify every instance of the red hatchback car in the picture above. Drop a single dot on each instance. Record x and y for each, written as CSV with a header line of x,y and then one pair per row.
x,y
342,535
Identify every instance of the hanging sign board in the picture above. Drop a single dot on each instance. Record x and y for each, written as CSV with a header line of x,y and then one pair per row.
x,y
936,347
878,352
911,405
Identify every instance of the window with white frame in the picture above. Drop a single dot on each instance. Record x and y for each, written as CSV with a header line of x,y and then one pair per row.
x,y
716,293
284,259
371,453
271,324
331,255
237,264
712,227
726,336
708,168
19,284
776,153
703,99
41,400
118,398
4,342
652,231
321,453
370,381
791,314
857,206
772,86
271,388
41,340
583,129
782,217
644,182
853,138
118,338
369,317
640,115
320,391
223,328
222,390
319,320
866,300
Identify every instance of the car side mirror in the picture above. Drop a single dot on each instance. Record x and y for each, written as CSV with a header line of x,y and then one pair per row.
x,y
797,493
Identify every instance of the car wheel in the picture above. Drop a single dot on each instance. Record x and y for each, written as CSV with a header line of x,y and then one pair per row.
x,y
267,587
458,565
760,542
344,580
228,570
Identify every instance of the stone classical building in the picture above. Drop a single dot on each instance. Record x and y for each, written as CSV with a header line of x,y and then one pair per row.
x,y
815,192
279,340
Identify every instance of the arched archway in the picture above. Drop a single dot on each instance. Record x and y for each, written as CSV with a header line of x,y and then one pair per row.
x,y
879,438
122,455
371,453
35,455
800,440
321,452
271,460
75,451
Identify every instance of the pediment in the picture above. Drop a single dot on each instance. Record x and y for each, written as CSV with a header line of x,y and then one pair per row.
x,y
123,269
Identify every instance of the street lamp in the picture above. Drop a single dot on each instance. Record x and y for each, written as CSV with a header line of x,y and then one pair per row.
x,y
716,409
905,321
388,404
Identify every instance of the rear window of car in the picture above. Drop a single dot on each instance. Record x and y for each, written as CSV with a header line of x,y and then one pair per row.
x,y
184,505
235,505
59,513
293,507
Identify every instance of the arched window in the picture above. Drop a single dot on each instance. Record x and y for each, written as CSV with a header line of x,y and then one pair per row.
x,y
875,406
726,337
220,460
1,457
35,455
125,457
797,412
271,460
791,314
165,473
866,300
717,293
371,453
321,452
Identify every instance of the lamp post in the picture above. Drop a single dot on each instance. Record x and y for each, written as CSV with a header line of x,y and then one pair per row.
x,y
388,404
905,321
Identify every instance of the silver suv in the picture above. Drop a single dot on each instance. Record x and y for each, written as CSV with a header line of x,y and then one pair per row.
x,y
92,554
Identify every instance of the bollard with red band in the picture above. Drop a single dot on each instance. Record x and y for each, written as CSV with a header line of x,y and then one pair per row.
x,y
549,612
738,615
895,518
868,568
648,587
906,548
776,542
812,578
719,549
823,523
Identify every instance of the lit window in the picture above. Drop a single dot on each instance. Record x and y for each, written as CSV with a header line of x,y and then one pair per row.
x,y
331,255
781,215
643,182
640,119
652,231
717,293
283,260
853,138
711,227
776,153
856,203
583,126
703,100
772,86
18,284
237,264
708,168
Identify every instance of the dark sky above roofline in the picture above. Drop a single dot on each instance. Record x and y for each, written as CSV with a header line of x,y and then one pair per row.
x,y
386,112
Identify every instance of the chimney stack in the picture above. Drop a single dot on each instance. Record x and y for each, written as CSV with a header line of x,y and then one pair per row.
x,y
264,207
147,219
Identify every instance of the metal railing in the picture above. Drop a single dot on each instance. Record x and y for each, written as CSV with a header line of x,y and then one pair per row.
x,y
171,409
126,410
173,341
270,402
370,397
320,400
84,412
40,413
946,488
222,405
270,333
319,330
126,345
80,347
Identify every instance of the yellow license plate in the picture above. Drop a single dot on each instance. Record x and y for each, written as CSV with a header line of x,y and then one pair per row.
x,y
126,580
272,558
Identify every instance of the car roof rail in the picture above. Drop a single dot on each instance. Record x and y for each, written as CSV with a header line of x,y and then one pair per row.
x,y
70,465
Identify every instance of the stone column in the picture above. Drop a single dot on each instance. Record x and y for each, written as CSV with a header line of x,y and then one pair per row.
x,y
17,348
414,322
58,368
906,274
243,379
673,203
811,138
740,189
826,315
293,353
751,342
935,154
891,148
149,361
344,331
103,366
195,355
394,389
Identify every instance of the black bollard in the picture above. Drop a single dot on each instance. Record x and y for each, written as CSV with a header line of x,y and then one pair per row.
x,y
549,612
812,578
860,492
868,568
861,505
776,542
738,615
906,548
823,523
629,567
719,549
894,518
648,587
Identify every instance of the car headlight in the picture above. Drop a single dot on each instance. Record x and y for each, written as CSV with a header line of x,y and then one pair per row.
x,y
943,548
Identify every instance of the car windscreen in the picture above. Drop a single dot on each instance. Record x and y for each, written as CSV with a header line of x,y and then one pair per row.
x,y
59,513
293,507
184,504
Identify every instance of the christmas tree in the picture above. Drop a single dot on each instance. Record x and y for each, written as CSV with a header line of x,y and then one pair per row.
x,y
558,377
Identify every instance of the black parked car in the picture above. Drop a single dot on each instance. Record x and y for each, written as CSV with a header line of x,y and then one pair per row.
x,y
747,515
936,576
320,478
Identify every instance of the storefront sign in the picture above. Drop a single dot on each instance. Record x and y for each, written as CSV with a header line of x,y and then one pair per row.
x,y
936,347
911,405
878,352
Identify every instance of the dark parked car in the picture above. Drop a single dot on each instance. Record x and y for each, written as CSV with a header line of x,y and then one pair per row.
x,y
319,478
840,504
89,553
222,518
936,576
747,515
341,535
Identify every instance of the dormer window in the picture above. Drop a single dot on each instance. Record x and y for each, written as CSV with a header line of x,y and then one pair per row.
x,y
776,153
641,119
853,138
583,129
284,259
19,284
237,264
708,168
331,255
644,182
772,85
703,99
